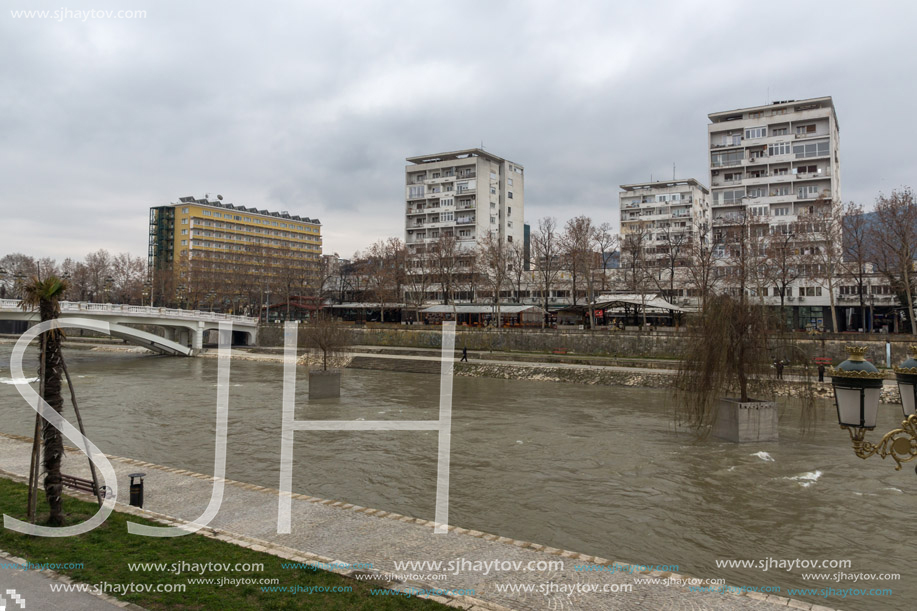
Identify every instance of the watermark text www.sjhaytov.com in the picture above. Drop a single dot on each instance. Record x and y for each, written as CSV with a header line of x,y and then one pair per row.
x,y
66,14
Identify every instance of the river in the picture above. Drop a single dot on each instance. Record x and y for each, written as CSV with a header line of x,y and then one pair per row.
x,y
594,469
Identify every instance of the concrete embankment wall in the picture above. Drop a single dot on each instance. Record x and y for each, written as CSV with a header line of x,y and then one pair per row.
x,y
659,345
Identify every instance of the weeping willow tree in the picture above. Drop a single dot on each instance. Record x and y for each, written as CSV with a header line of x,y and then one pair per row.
x,y
45,295
734,344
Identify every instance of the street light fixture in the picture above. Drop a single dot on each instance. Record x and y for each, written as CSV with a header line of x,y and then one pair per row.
x,y
857,389
906,374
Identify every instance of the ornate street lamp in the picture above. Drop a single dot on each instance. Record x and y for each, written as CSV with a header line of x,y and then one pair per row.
x,y
906,374
857,389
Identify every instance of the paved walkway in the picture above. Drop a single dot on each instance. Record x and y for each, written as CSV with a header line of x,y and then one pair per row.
x,y
474,359
41,591
340,532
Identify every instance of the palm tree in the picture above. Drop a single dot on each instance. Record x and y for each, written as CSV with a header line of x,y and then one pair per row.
x,y
45,295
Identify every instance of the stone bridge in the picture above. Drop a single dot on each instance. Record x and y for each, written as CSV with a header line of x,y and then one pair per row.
x,y
184,329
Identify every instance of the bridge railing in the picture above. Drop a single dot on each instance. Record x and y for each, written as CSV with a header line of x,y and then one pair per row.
x,y
135,310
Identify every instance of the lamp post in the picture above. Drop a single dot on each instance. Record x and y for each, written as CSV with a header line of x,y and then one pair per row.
x,y
857,389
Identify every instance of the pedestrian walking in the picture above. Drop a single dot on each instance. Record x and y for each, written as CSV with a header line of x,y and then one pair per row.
x,y
821,372
779,366
464,354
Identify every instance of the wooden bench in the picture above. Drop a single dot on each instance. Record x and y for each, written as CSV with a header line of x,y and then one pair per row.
x,y
83,485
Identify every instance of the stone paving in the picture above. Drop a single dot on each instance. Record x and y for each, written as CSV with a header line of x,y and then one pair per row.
x,y
332,531
34,588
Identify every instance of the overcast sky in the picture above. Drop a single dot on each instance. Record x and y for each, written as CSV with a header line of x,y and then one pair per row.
x,y
311,107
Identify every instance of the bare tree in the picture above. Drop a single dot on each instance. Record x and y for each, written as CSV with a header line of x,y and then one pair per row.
x,y
492,261
446,255
576,244
893,240
786,262
826,249
128,274
604,241
418,277
15,271
634,262
856,252
98,269
323,333
516,268
703,268
547,248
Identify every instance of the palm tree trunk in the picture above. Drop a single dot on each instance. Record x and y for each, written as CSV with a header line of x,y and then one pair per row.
x,y
52,440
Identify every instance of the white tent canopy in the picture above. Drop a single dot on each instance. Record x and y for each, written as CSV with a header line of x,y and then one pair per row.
x,y
649,301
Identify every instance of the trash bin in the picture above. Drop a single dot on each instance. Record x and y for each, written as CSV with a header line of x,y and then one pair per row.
x,y
137,489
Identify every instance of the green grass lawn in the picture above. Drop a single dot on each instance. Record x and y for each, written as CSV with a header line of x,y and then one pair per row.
x,y
106,551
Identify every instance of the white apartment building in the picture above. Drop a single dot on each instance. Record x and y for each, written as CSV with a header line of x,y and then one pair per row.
x,y
467,194
774,161
669,214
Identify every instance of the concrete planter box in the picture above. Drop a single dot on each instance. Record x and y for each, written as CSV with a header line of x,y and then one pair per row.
x,y
324,384
743,422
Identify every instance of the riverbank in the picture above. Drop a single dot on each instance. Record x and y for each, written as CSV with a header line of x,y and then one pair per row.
x,y
335,532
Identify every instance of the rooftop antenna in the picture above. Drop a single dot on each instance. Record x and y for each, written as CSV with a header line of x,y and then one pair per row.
x,y
673,170
482,145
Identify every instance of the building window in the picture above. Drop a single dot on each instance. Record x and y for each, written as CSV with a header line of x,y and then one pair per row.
x,y
493,176
493,190
509,210
415,192
493,220
753,133
464,233
780,148
778,131
509,223
184,221
184,242
509,182
727,159
811,149
185,210
805,129
184,232
509,194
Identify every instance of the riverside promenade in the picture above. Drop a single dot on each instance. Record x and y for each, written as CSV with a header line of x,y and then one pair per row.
x,y
330,531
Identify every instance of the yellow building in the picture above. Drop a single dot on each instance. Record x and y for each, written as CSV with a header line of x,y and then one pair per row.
x,y
205,253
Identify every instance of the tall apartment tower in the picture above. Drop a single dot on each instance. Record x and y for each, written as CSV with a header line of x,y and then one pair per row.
x,y
205,250
667,215
466,194
779,161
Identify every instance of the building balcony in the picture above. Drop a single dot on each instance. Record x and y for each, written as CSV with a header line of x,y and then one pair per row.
x,y
773,198
813,176
731,202
816,134
757,180
465,221
462,190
